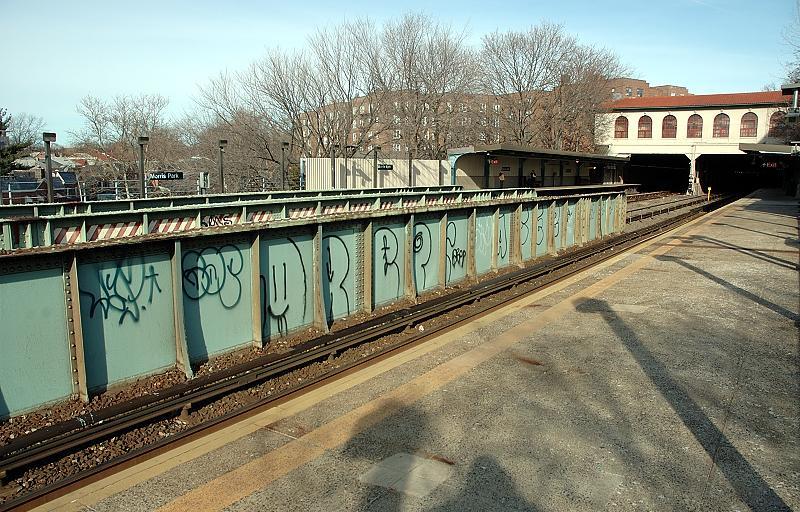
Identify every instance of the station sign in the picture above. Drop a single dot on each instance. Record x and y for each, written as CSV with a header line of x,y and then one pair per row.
x,y
166,175
385,167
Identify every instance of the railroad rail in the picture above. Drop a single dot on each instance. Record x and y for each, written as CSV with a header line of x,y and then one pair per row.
x,y
636,213
46,443
645,196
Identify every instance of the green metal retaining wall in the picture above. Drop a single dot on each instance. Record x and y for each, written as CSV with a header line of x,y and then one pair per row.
x,y
80,318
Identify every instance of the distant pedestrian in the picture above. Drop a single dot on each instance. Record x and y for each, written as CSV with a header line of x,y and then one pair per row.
x,y
502,178
532,180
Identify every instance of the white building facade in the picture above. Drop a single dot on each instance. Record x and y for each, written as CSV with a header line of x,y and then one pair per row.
x,y
693,125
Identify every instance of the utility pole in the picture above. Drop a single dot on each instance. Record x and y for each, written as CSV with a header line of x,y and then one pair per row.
x,y
142,143
47,137
410,169
334,147
284,147
375,167
346,170
222,144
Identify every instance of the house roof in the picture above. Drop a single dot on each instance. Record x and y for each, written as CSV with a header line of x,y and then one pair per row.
x,y
766,98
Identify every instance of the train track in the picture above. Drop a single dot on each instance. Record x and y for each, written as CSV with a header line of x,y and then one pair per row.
x,y
46,444
637,213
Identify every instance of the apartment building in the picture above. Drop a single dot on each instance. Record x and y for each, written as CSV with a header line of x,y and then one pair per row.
x,y
620,88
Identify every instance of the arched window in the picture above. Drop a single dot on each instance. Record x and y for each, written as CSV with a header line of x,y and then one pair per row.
x,y
645,127
694,127
749,126
722,124
776,124
669,127
621,128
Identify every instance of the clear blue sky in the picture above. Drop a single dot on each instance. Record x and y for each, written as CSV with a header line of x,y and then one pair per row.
x,y
55,52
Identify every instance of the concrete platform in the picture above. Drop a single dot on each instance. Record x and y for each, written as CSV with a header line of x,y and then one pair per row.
x,y
666,379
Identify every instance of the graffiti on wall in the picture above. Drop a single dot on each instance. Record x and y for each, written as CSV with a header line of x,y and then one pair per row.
x,y
125,291
278,304
525,228
389,249
422,248
336,271
557,222
214,272
454,256
502,238
540,226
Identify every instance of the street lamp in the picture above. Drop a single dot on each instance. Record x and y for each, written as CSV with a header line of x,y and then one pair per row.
x,y
142,143
410,168
346,170
284,147
334,147
48,137
375,166
222,144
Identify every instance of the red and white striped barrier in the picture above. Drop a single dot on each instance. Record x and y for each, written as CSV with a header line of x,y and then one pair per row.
x,y
68,235
171,225
410,203
259,216
360,207
431,200
299,213
333,208
387,205
113,230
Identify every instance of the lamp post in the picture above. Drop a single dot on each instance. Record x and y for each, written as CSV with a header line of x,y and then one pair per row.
x,y
142,143
47,137
334,147
347,150
410,168
284,147
222,144
375,166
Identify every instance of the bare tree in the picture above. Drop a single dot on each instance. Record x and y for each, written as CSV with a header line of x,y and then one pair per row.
x,y
432,69
114,126
518,69
569,115
25,129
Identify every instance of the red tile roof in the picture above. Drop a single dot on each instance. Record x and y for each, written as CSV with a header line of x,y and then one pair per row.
x,y
700,100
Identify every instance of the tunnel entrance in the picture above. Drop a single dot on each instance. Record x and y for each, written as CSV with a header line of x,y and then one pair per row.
x,y
658,172
741,173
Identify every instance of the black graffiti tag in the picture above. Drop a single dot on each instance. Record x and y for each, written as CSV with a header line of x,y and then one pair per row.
x,y
540,227
557,222
455,256
331,271
214,271
422,248
502,238
390,249
525,227
277,304
121,290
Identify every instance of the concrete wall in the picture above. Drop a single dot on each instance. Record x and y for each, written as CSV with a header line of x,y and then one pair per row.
x,y
357,173
87,317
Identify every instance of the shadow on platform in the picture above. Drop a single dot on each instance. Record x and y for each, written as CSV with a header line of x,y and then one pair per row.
x,y
732,287
748,484
395,439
